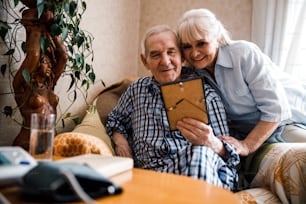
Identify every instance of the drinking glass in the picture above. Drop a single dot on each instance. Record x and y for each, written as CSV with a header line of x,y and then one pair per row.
x,y
42,136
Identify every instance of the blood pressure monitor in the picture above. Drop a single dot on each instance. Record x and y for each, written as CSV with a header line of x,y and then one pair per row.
x,y
15,162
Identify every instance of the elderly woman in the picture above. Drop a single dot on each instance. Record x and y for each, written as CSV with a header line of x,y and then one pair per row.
x,y
262,103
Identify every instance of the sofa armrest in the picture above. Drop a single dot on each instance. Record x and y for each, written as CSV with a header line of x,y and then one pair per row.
x,y
282,170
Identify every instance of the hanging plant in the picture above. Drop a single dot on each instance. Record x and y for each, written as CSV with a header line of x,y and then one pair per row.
x,y
55,46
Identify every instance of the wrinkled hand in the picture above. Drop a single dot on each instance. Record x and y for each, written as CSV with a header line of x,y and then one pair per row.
x,y
198,133
121,145
123,150
239,145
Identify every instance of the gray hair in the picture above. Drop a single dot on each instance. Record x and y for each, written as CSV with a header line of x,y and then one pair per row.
x,y
196,22
153,31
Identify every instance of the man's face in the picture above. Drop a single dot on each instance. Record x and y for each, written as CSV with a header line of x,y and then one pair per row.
x,y
163,57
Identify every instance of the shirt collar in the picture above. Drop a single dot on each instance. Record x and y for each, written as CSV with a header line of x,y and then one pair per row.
x,y
154,85
224,59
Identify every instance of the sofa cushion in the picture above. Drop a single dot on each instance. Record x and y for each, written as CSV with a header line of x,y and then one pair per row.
x,y
92,125
283,171
109,97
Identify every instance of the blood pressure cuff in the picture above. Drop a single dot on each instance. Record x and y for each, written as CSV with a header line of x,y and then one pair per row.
x,y
48,181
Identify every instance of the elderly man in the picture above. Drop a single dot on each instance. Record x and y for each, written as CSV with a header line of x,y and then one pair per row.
x,y
139,127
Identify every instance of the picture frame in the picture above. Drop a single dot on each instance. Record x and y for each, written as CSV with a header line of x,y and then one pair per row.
x,y
184,98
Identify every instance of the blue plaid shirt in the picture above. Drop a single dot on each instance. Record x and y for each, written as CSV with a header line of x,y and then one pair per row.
x,y
141,117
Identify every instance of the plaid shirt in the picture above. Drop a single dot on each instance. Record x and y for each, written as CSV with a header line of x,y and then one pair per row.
x,y
141,117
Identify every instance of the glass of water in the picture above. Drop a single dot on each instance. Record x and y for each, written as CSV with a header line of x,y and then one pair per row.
x,y
42,136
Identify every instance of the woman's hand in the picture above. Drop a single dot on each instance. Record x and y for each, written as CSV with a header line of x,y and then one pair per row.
x,y
198,133
260,133
239,145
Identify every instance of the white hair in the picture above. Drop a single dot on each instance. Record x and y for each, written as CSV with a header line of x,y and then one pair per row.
x,y
153,31
198,22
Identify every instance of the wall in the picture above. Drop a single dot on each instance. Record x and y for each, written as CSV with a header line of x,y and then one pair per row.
x,y
118,27
234,14
114,25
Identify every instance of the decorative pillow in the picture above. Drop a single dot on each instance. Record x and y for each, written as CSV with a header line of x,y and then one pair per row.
x,y
282,171
91,125
257,195
73,144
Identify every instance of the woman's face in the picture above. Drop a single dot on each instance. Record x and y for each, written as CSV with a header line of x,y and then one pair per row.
x,y
200,53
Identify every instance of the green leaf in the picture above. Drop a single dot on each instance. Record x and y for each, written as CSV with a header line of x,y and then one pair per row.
x,y
16,2
44,44
74,95
10,52
84,6
65,33
102,82
4,27
88,67
8,111
23,47
40,7
80,40
76,121
70,49
56,29
72,8
63,122
26,75
71,82
92,76
3,69
79,58
66,7
84,82
77,75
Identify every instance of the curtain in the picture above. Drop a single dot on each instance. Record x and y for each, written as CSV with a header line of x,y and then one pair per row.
x,y
279,29
268,24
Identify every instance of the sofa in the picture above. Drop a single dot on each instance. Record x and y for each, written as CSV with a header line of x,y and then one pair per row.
x,y
276,173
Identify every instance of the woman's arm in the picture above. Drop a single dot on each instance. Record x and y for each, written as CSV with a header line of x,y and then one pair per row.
x,y
260,133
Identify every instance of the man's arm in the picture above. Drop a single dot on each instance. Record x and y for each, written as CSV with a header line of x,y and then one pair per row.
x,y
121,145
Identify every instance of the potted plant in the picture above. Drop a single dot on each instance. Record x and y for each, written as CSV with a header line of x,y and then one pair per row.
x,y
55,46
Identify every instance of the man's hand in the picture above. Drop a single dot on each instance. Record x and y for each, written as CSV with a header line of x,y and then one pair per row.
x,y
121,145
123,150
199,133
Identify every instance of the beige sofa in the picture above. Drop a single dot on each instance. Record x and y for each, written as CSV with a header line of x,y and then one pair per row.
x,y
276,173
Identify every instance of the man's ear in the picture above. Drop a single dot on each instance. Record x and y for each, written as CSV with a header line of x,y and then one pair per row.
x,y
182,59
144,60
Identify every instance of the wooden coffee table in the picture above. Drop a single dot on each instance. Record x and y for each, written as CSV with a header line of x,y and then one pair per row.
x,y
145,186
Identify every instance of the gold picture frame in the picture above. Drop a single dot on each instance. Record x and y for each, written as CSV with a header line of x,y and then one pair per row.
x,y
184,98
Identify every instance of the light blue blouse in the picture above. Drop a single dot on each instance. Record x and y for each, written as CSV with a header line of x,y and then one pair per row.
x,y
253,88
